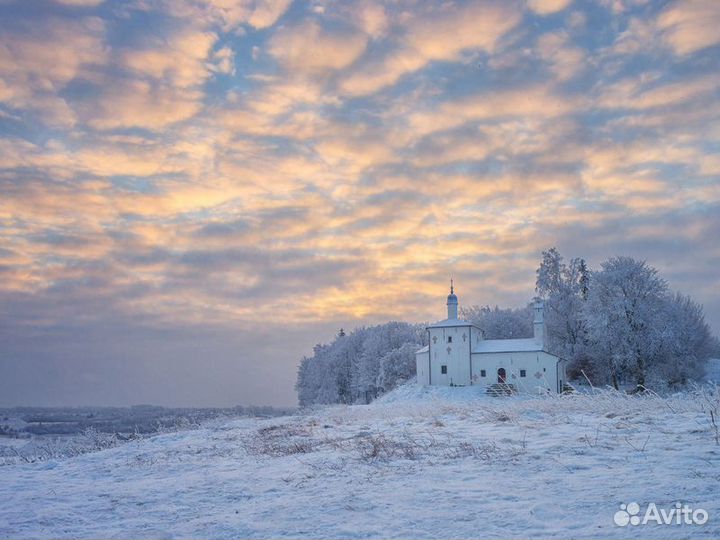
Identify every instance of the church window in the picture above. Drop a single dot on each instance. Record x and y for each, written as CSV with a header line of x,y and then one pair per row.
x,y
449,339
482,373
443,370
522,372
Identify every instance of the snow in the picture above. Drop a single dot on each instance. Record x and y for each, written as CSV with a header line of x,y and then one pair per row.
x,y
435,395
419,462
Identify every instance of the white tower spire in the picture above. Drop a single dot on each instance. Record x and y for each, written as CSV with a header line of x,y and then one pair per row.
x,y
452,303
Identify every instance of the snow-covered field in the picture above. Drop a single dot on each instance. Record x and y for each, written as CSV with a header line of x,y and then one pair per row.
x,y
418,463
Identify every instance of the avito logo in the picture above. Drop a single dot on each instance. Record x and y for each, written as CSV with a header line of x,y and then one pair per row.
x,y
680,514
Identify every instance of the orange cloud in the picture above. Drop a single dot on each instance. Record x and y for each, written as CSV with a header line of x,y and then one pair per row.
x,y
690,25
229,14
634,93
565,60
309,48
440,34
546,7
534,102
138,103
178,60
38,61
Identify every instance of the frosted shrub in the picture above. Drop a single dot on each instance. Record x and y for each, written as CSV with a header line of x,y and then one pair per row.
x,y
280,440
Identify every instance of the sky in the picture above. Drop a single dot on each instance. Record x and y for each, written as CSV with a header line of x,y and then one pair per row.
x,y
195,192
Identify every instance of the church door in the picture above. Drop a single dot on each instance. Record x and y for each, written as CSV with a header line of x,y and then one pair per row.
x,y
501,375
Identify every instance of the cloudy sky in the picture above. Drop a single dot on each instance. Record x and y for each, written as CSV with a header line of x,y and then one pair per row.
x,y
194,192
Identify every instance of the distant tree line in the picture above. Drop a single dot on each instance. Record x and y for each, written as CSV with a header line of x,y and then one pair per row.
x,y
618,325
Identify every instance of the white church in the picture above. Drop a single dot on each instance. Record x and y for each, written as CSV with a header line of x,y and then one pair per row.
x,y
458,355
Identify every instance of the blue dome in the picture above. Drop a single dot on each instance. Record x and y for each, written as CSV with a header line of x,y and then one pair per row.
x,y
452,299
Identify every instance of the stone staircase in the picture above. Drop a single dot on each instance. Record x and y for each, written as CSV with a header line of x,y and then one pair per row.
x,y
501,389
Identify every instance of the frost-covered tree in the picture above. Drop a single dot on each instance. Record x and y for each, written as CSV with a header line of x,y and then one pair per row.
x,y
564,289
499,323
397,366
306,389
360,365
686,342
380,341
625,314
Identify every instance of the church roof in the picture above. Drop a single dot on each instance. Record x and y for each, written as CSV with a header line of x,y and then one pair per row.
x,y
450,322
494,345
507,345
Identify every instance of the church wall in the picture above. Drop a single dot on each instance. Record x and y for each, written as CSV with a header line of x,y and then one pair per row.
x,y
541,371
454,355
422,367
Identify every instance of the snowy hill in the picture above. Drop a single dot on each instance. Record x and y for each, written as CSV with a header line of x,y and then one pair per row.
x,y
421,463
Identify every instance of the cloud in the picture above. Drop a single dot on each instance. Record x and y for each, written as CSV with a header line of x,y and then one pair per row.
x,y
178,61
228,14
546,7
435,35
266,12
537,101
565,60
690,25
683,27
372,18
645,93
39,59
223,61
280,95
90,3
142,104
309,48
156,84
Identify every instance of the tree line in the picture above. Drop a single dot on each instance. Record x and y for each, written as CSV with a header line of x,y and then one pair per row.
x,y
619,325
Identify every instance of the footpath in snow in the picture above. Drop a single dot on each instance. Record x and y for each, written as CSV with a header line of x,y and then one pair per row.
x,y
418,463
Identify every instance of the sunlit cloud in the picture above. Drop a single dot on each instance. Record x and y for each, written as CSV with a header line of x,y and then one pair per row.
x,y
39,58
536,101
308,48
227,14
199,164
440,34
546,7
690,26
